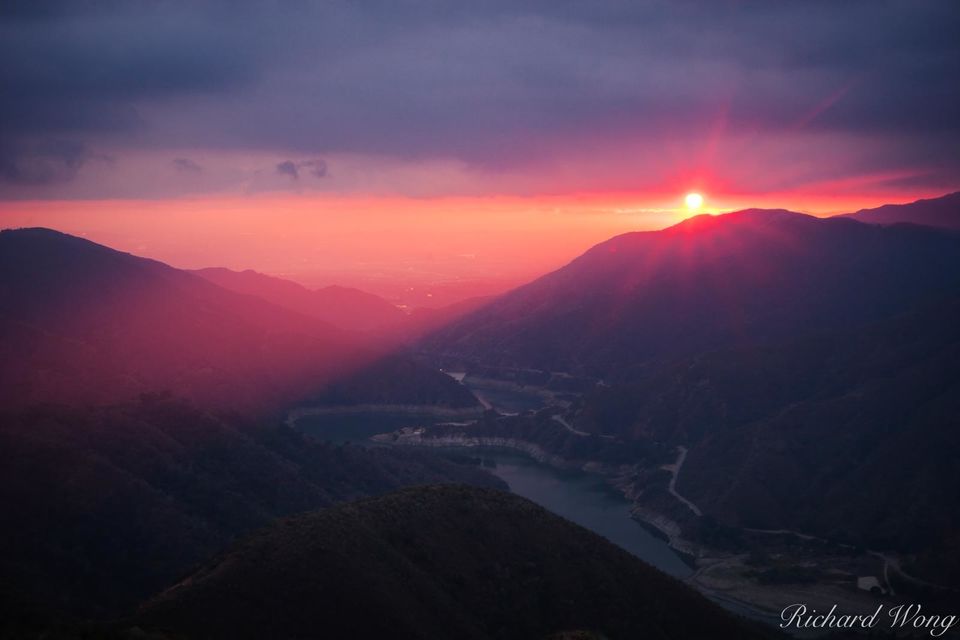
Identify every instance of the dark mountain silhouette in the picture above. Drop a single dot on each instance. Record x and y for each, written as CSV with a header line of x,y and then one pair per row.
x,y
105,506
935,212
342,307
434,562
754,276
82,323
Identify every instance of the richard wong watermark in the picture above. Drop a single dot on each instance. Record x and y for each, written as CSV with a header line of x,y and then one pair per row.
x,y
900,617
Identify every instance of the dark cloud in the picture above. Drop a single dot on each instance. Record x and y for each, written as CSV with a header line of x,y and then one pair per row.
x,y
42,163
316,168
499,84
186,165
69,70
288,168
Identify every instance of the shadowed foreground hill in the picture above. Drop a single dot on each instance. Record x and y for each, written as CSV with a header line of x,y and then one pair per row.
x,y
104,507
434,562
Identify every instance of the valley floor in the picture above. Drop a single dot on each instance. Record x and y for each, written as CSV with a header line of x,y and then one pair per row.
x,y
732,579
781,567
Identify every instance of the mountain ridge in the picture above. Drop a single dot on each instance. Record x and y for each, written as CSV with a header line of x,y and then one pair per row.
x,y
941,212
704,283
343,307
794,357
440,561
83,323
107,505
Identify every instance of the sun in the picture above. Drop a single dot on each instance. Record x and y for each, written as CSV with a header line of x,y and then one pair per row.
x,y
693,200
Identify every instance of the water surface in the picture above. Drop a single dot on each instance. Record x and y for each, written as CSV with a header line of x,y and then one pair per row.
x,y
580,497
577,496
587,500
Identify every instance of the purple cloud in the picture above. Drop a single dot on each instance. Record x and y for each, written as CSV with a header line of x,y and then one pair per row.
x,y
502,86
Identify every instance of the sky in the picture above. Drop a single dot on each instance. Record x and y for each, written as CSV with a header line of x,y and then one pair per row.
x,y
429,141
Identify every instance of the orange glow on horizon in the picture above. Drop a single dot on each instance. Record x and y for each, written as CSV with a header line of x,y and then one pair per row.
x,y
327,239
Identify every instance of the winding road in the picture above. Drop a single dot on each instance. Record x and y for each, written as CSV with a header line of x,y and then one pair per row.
x,y
569,427
566,425
674,470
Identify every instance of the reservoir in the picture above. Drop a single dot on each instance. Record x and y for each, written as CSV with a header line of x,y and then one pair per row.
x,y
577,496
587,500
